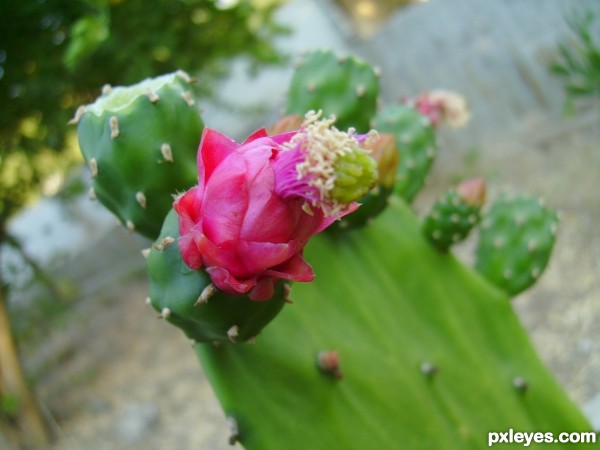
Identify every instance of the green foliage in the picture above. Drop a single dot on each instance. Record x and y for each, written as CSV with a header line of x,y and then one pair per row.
x,y
141,143
187,299
515,243
55,55
578,64
432,356
343,86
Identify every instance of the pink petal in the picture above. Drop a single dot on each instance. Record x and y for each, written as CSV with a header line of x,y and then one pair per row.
x,y
214,148
329,220
227,282
263,290
261,133
295,269
260,256
188,208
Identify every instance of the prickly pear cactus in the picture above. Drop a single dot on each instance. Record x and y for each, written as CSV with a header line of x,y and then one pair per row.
x,y
420,353
454,214
140,144
415,136
187,298
343,86
515,243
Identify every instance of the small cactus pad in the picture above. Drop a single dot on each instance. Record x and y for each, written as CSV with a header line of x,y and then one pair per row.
x,y
416,140
393,346
187,299
343,86
140,143
515,242
454,214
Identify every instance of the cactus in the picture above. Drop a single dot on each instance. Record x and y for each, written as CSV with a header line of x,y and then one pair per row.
x,y
415,136
421,354
394,344
454,214
343,86
140,144
515,243
187,299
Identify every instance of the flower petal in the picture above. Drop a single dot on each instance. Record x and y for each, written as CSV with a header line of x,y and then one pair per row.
x,y
295,269
214,148
228,283
264,289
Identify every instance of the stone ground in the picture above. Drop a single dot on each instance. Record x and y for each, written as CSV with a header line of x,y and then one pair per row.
x,y
114,377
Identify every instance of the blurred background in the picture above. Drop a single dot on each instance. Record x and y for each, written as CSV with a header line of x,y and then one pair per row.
x,y
106,374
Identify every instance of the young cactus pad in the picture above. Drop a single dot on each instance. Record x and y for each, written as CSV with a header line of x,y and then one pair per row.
x,y
187,299
415,137
343,86
420,353
515,243
454,214
140,143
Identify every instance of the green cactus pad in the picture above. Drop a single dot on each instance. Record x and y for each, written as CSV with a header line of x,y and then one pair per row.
x,y
450,220
430,356
175,292
345,87
140,143
416,140
515,243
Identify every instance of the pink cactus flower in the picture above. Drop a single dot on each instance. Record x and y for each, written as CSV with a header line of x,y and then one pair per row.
x,y
251,214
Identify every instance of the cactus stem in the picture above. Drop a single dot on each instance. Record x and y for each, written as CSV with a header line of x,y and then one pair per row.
x,y
234,432
148,301
92,194
152,96
519,220
472,219
377,71
531,246
251,340
193,343
455,237
187,97
455,218
428,369
328,361
553,229
233,332
430,153
145,252
168,240
498,243
206,293
507,274
141,199
410,164
184,76
437,234
520,384
217,344
106,89
80,112
114,127
535,272
165,313
311,87
93,164
130,225
360,90
487,223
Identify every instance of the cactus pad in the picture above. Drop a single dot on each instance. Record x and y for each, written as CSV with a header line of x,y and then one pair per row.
x,y
140,143
394,345
345,87
187,299
415,136
454,215
516,240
